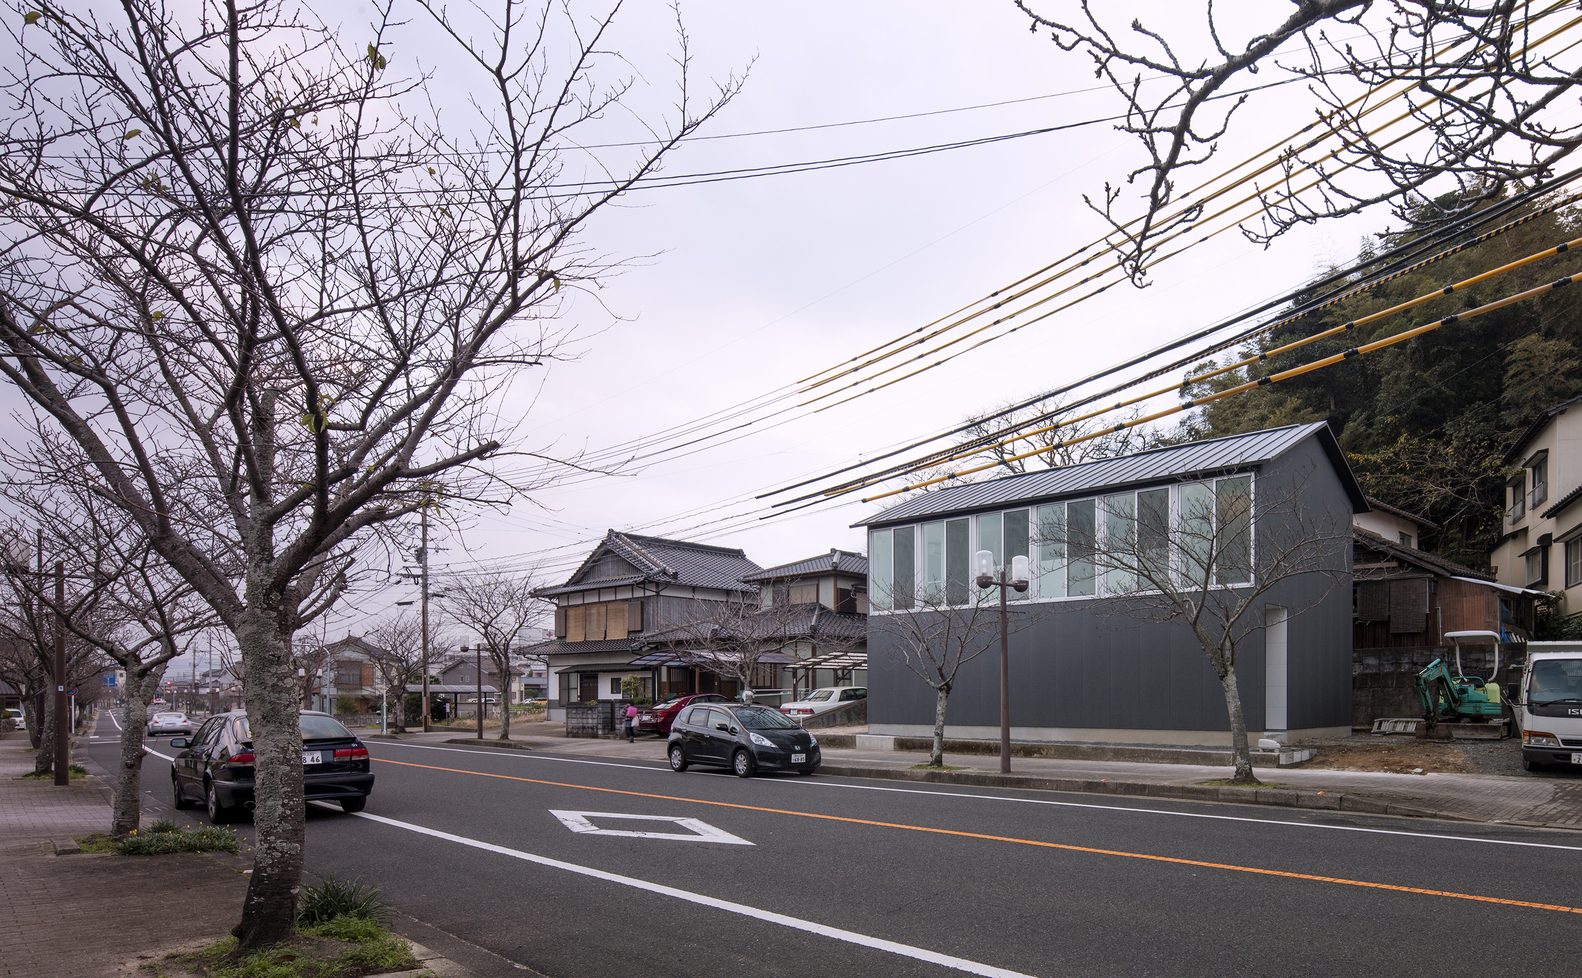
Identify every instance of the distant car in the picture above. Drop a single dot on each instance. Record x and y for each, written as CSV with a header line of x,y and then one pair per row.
x,y
216,765
17,716
657,719
743,737
822,699
168,725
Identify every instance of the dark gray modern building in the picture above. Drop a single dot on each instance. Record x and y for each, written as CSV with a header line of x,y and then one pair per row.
x,y
1265,518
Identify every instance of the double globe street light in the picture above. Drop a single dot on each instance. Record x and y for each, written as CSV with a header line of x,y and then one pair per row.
x,y
989,575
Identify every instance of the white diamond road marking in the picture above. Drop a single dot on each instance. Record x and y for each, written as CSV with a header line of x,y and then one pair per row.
x,y
699,831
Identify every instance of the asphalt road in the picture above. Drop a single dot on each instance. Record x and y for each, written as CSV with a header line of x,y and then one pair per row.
x,y
579,867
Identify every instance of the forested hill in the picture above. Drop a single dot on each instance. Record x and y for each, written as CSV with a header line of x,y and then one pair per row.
x,y
1425,423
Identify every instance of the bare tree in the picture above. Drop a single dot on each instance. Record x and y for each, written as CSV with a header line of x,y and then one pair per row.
x,y
1207,566
739,641
1480,92
497,609
249,273
1040,433
936,632
127,604
399,659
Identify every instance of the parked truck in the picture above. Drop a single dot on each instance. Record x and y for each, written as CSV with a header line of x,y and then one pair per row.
x,y
1548,702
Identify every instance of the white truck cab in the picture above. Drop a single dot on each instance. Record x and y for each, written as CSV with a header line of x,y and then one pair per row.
x,y
1549,705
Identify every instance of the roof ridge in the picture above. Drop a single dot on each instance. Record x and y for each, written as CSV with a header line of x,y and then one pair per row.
x,y
687,544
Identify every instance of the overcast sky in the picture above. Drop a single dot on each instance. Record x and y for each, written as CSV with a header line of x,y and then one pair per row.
x,y
750,285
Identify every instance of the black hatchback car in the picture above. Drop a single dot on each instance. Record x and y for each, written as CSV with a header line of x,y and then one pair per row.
x,y
742,737
216,765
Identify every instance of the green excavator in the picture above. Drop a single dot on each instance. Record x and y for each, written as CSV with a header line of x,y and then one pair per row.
x,y
1457,699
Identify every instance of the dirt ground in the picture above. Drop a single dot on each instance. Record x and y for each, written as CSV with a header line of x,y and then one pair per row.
x,y
1404,754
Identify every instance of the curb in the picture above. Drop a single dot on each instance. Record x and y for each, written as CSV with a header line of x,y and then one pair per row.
x,y
1274,797
496,744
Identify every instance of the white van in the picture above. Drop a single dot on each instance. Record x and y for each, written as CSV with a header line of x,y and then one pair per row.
x,y
1550,704
17,715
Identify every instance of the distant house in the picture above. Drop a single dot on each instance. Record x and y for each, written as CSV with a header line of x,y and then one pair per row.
x,y
1395,525
1405,598
1541,548
1084,669
826,621
628,590
349,670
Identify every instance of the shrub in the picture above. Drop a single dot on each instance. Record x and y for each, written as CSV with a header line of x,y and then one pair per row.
x,y
335,897
345,703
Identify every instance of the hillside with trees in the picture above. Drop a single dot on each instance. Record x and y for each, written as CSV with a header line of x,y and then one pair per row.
x,y
1426,423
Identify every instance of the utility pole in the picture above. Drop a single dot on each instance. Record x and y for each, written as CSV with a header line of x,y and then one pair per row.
x,y
422,556
63,718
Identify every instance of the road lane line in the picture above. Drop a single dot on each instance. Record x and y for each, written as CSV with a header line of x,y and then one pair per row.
x,y
941,793
1066,847
768,916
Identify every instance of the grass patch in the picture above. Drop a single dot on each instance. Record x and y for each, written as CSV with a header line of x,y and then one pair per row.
x,y
95,842
936,767
345,947
163,838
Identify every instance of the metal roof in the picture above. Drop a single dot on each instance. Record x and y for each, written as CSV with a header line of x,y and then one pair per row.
x,y
834,562
1194,459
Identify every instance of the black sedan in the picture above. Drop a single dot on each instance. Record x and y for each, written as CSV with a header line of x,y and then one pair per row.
x,y
216,765
742,737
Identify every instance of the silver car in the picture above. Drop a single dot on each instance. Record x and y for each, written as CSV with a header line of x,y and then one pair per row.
x,y
168,725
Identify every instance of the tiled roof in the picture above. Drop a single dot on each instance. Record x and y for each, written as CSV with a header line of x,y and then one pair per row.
x,y
1514,453
558,647
356,645
1194,459
1562,503
1419,520
836,561
1417,558
662,561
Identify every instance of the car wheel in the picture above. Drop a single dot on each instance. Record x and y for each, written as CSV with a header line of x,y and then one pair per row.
x,y
175,788
351,806
742,763
218,814
678,758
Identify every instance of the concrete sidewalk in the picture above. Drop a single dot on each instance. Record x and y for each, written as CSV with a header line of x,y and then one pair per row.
x,y
1535,800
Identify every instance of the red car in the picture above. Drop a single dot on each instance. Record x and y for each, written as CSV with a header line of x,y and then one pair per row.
x,y
657,719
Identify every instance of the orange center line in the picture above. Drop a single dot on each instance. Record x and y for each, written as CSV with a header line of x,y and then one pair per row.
x,y
1174,860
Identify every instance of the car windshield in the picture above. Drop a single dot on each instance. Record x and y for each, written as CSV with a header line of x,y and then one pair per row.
x,y
761,718
1556,681
819,695
312,727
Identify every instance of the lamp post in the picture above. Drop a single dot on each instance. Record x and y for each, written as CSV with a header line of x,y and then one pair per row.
x,y
987,577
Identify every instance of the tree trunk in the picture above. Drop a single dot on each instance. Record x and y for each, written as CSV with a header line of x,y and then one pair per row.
x,y
400,710
1238,729
270,909
127,811
936,755
505,704
44,760
33,712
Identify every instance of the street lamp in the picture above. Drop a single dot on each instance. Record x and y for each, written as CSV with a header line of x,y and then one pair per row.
x,y
987,578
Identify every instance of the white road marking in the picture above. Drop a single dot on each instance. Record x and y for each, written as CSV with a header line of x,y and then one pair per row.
x,y
804,783
700,831
768,916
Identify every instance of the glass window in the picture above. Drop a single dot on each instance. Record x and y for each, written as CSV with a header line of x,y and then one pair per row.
x,y
761,718
1233,504
1051,570
1120,539
934,563
1197,534
989,539
1153,537
1015,531
1518,497
1081,536
1574,562
958,561
880,565
905,573
1535,567
1540,481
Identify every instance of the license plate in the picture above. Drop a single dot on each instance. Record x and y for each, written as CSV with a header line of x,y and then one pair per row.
x,y
798,758
1576,758
312,757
